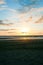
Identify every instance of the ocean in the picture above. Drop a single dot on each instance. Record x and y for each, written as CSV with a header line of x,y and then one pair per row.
x,y
19,37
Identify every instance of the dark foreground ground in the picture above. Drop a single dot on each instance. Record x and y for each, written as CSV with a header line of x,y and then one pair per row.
x,y
21,52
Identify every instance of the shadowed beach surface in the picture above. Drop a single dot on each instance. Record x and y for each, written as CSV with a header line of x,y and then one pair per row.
x,y
21,52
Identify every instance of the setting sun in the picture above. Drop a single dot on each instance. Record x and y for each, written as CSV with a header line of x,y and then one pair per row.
x,y
24,31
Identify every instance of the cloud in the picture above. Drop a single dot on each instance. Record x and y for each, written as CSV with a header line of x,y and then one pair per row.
x,y
14,18
26,5
11,10
33,15
29,17
40,20
4,29
26,2
1,22
5,23
3,7
2,2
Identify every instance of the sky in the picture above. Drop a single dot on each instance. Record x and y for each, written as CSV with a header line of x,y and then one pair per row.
x,y
18,14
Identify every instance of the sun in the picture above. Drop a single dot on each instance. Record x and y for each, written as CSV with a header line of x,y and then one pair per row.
x,y
25,31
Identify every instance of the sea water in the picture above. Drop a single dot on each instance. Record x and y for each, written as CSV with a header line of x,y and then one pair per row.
x,y
18,38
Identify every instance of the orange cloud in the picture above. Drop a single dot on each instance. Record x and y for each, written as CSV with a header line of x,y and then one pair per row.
x,y
29,19
6,24
39,20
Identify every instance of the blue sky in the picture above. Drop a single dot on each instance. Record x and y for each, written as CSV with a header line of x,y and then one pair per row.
x,y
15,14
18,5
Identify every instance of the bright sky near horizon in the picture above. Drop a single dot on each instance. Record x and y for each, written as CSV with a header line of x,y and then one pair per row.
x,y
16,15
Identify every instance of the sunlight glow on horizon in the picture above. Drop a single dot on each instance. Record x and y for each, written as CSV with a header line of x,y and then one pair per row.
x,y
25,31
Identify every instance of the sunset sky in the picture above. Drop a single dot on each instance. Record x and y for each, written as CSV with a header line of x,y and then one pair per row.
x,y
17,16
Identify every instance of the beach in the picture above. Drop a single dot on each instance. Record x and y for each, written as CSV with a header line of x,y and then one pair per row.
x,y
21,52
